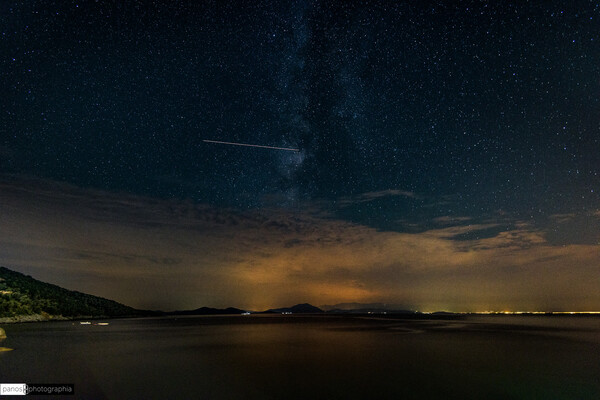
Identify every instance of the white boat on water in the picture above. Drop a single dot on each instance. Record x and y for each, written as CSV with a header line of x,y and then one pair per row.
x,y
85,323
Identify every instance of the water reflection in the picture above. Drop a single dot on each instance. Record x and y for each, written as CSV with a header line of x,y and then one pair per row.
x,y
312,357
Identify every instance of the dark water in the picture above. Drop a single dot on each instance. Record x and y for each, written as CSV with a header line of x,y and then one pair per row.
x,y
283,357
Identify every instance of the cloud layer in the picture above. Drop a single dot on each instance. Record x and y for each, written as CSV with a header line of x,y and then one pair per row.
x,y
163,254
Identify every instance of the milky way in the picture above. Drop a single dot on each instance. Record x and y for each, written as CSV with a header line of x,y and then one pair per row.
x,y
482,117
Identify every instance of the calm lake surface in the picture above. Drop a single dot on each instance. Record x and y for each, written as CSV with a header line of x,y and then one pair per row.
x,y
311,357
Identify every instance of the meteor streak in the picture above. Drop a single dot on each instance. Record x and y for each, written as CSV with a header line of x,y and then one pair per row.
x,y
251,145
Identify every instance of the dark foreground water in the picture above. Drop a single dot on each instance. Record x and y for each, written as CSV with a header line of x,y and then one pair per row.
x,y
318,357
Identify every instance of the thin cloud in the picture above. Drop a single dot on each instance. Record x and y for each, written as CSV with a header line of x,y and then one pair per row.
x,y
370,196
561,218
447,219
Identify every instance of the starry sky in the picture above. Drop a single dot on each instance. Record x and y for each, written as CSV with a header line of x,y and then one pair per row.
x,y
448,152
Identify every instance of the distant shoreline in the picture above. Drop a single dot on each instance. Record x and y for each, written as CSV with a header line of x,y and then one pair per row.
x,y
50,318
381,316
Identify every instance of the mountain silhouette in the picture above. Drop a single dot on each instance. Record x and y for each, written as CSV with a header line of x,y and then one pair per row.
x,y
304,308
25,298
208,311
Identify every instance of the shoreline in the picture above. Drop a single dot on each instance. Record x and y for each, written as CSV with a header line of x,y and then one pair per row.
x,y
381,316
51,318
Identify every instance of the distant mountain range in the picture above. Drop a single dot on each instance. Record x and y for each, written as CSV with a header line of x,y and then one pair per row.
x,y
207,311
23,298
297,309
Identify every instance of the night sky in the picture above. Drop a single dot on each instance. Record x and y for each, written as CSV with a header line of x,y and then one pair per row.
x,y
448,153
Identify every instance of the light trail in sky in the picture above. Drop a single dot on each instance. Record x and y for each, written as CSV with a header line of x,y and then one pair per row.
x,y
251,145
